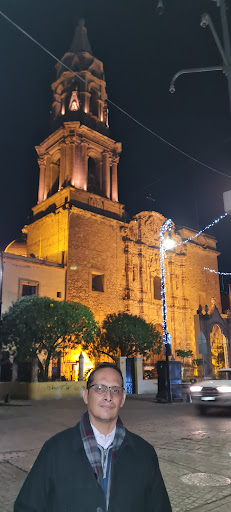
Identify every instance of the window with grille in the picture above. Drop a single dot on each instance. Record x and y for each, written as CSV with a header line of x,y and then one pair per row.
x,y
28,287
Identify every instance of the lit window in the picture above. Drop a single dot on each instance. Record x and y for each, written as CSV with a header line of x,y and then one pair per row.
x,y
98,282
74,101
28,287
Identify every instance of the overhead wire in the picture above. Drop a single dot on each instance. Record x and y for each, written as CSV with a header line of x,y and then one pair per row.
x,y
139,123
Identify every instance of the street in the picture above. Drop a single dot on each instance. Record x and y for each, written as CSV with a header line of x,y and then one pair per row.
x,y
185,443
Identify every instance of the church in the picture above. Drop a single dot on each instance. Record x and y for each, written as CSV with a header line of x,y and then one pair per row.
x,y
79,245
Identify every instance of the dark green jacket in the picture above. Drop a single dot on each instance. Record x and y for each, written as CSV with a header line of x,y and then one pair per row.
x,y
62,479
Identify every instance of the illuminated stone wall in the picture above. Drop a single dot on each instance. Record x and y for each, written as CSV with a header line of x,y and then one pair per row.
x,y
95,247
187,283
47,238
125,256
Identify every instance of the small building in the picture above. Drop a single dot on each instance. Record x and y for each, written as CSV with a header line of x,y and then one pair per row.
x,y
30,276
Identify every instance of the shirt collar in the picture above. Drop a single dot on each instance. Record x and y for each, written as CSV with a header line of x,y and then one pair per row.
x,y
104,441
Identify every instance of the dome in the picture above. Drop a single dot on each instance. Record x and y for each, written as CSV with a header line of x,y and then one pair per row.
x,y
18,247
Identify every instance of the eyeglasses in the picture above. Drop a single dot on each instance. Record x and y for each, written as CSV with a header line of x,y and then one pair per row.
x,y
100,389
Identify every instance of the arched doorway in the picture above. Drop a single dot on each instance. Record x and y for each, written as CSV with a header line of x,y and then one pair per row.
x,y
218,348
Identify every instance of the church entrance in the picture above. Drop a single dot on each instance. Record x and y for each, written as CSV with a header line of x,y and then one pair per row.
x,y
218,344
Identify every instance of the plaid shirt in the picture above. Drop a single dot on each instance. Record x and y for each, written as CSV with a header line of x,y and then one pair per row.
x,y
93,452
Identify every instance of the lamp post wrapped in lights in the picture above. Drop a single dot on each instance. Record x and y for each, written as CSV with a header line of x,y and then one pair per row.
x,y
165,244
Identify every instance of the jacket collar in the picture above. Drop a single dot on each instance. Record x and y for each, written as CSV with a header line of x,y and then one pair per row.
x,y
78,444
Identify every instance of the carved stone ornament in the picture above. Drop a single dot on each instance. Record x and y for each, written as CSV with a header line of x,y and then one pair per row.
x,y
96,202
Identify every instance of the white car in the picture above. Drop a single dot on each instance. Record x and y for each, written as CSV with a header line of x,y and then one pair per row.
x,y
213,393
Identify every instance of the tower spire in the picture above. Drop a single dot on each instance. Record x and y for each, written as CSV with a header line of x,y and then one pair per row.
x,y
80,42
79,92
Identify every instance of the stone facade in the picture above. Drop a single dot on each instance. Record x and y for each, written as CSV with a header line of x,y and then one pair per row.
x,y
126,257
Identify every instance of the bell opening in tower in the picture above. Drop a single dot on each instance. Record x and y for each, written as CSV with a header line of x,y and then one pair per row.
x,y
93,184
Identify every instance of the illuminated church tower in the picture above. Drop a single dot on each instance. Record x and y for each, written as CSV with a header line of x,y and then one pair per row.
x,y
77,219
79,153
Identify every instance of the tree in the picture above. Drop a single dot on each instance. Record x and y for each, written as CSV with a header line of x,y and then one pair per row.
x,y
39,325
127,335
183,354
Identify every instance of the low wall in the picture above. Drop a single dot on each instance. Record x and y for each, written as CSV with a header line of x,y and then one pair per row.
x,y
42,390
146,387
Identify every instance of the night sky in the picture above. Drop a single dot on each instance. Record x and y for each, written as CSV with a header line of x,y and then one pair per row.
x,y
141,51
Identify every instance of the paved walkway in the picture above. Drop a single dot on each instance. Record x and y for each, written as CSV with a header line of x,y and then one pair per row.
x,y
186,445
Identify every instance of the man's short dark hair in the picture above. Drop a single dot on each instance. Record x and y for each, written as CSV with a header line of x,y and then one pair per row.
x,y
101,366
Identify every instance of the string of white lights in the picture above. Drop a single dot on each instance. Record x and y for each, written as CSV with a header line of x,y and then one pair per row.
x,y
203,230
165,141
216,272
167,226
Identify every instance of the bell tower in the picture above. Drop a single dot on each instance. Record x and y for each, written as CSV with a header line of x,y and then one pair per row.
x,y
79,155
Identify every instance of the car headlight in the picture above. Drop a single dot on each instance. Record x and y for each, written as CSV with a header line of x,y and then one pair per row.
x,y
195,388
224,389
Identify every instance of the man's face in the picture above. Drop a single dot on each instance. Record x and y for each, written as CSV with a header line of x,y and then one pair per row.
x,y
104,408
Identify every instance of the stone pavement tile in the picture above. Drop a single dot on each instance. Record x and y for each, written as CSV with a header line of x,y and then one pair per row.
x,y
203,458
221,506
11,480
185,497
26,461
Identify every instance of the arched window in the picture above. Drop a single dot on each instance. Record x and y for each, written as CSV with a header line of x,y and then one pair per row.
x,y
217,343
94,103
54,175
74,101
157,288
93,184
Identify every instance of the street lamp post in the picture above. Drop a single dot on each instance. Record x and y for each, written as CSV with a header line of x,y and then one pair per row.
x,y
225,51
165,244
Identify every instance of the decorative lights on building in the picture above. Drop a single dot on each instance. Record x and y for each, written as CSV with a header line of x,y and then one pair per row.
x,y
165,244
219,273
202,230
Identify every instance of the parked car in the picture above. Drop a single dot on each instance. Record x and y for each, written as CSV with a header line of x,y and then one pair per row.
x,y
212,393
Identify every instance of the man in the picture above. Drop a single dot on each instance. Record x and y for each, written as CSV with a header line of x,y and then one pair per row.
x,y
98,465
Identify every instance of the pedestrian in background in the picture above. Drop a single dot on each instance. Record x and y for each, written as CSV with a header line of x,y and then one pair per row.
x,y
98,465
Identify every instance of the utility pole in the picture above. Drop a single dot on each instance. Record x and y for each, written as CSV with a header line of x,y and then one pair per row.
x,y
226,38
224,49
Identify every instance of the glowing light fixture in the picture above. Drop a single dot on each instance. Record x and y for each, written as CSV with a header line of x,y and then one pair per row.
x,y
169,243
